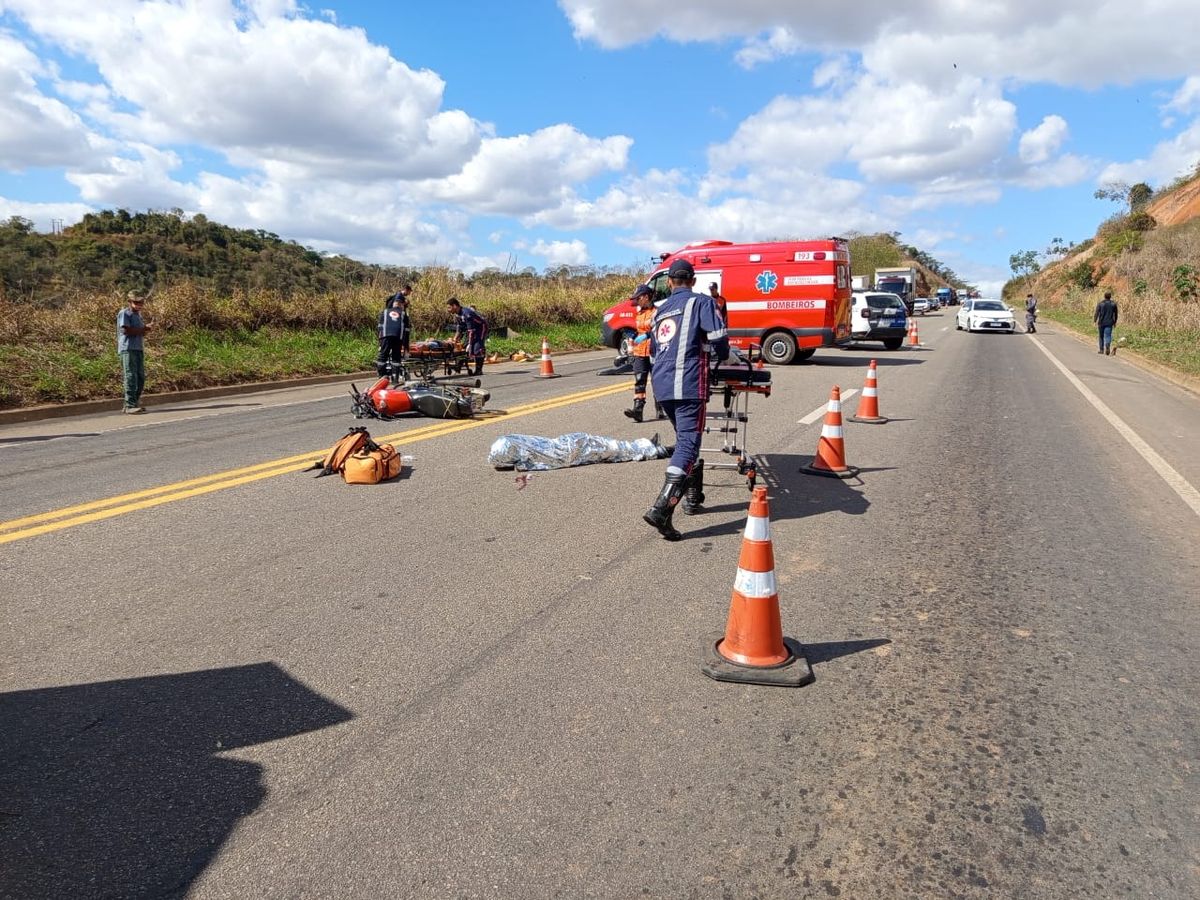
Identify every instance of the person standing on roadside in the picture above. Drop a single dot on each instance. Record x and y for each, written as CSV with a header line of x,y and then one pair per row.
x,y
685,326
131,328
714,291
639,352
1105,318
1030,314
471,328
393,330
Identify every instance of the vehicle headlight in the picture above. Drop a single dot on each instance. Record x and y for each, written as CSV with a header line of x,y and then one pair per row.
x,y
607,318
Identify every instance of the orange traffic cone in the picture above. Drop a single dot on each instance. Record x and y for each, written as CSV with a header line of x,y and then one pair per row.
x,y
830,459
753,649
868,404
547,370
913,339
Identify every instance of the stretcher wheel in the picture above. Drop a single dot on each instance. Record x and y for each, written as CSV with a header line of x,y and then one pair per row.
x,y
751,478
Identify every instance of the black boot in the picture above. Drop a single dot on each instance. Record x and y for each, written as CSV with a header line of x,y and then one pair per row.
x,y
636,412
694,494
478,367
659,515
658,412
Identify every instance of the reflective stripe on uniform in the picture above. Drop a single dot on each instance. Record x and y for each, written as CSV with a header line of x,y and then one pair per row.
x,y
681,346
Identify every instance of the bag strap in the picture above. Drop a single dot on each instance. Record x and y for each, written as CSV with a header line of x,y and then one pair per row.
x,y
335,459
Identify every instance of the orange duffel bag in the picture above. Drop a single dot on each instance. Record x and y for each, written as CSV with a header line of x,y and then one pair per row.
x,y
372,464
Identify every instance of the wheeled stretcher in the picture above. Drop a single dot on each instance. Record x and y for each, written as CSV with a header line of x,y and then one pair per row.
x,y
426,357
730,386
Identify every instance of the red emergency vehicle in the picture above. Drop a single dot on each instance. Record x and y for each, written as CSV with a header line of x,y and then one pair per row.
x,y
787,297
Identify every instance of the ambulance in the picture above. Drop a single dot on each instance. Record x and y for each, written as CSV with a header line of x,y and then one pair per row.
x,y
789,298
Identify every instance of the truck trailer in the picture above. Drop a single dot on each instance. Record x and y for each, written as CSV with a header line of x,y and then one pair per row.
x,y
901,281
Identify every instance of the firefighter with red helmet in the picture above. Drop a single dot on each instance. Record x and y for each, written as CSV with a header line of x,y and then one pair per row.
x,y
686,327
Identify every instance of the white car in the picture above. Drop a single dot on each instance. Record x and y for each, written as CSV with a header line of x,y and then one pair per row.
x,y
921,305
985,315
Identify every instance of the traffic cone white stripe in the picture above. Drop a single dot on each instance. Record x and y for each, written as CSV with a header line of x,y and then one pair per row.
x,y
831,431
758,529
834,406
870,392
755,585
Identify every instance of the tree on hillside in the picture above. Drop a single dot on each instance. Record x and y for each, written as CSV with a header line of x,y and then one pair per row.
x,y
1025,264
1139,195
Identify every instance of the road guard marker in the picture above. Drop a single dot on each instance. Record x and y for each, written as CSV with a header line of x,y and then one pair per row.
x,y
830,458
547,367
868,404
753,649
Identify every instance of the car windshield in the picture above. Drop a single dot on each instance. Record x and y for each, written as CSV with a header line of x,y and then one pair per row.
x,y
988,305
884,301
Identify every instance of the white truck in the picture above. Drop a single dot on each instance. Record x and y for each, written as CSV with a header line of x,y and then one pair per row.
x,y
901,281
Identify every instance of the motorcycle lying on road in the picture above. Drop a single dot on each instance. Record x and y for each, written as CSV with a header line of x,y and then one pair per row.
x,y
395,394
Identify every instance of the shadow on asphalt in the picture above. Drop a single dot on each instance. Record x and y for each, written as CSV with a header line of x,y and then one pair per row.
x,y
158,409
828,650
48,437
857,362
792,495
121,789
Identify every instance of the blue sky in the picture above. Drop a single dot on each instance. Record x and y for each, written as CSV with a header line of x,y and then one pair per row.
x,y
598,132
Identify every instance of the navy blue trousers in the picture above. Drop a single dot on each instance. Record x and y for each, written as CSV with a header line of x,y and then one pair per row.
x,y
687,417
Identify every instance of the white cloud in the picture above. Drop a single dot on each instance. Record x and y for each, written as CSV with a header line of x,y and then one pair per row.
x,y
561,253
915,134
779,42
521,175
1038,144
263,84
1029,40
42,215
1169,160
35,129
1186,100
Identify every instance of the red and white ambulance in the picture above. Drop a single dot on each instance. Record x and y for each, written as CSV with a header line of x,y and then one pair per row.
x,y
788,297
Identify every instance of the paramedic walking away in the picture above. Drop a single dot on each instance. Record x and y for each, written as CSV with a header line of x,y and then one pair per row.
x,y
1030,314
130,330
471,329
1105,318
684,326
639,353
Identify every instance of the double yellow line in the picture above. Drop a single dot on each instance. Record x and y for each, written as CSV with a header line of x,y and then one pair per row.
x,y
98,510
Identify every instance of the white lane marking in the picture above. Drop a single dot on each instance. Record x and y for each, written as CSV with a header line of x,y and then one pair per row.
x,y
946,328
820,410
1174,480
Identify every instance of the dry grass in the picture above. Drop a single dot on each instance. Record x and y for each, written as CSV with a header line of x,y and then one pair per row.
x,y
69,352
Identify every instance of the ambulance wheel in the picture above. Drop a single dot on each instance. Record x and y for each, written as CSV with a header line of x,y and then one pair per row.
x,y
779,348
893,343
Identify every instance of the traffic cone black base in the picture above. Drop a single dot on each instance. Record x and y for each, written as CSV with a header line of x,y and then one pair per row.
x,y
795,671
848,472
865,420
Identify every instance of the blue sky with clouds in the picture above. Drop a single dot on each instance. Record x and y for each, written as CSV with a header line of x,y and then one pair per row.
x,y
476,134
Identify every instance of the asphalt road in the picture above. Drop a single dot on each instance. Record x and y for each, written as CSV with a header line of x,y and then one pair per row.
x,y
455,685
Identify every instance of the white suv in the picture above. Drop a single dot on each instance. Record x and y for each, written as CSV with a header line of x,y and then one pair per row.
x,y
878,316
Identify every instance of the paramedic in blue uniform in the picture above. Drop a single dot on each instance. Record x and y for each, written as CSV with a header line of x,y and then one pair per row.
x,y
471,328
393,329
687,332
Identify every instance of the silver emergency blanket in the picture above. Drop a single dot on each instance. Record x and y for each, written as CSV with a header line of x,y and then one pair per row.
x,y
527,452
